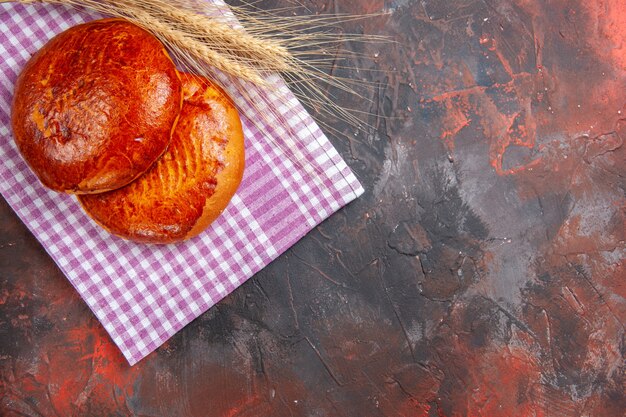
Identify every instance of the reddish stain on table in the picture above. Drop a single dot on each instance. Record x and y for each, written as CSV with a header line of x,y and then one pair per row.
x,y
482,273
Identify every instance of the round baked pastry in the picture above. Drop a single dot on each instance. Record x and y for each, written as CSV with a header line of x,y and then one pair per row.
x,y
94,108
191,184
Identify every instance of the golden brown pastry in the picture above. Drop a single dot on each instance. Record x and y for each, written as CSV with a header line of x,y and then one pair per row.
x,y
94,108
191,184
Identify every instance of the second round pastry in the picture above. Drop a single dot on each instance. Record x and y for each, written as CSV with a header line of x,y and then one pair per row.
x,y
191,184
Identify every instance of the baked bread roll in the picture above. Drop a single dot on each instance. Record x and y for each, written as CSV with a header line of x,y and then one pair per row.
x,y
191,184
94,108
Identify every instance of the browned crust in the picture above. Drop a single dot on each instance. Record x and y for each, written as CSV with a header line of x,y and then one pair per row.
x,y
191,184
94,108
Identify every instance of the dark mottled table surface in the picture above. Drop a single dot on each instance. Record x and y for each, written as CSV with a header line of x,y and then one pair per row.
x,y
482,273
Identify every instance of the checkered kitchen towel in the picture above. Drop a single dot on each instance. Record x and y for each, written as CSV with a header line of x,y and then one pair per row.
x,y
143,294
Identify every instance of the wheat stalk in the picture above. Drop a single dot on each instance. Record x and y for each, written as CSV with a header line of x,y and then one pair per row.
x,y
199,30
247,46
200,36
267,53
189,49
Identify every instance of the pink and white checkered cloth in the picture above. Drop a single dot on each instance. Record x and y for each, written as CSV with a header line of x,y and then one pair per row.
x,y
143,294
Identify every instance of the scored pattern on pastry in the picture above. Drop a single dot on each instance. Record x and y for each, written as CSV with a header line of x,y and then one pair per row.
x,y
190,184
